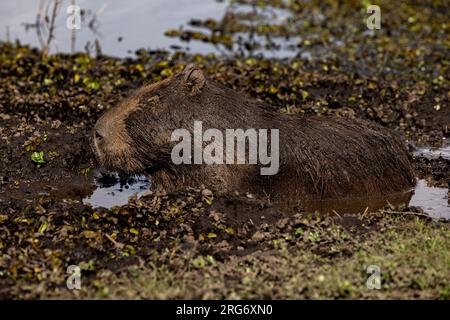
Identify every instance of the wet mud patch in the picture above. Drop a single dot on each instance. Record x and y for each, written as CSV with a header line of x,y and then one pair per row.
x,y
44,158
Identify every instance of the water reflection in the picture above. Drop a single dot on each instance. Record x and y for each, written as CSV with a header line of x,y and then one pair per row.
x,y
111,191
432,200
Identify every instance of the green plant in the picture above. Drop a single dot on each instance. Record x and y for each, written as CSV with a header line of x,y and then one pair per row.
x,y
38,158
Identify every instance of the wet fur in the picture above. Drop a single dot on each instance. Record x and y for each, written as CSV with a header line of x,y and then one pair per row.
x,y
320,157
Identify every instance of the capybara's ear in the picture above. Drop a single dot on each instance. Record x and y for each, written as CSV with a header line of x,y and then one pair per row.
x,y
194,78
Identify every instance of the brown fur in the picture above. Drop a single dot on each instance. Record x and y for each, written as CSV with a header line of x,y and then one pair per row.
x,y
320,157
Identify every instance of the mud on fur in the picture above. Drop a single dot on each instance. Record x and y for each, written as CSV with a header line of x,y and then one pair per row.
x,y
320,156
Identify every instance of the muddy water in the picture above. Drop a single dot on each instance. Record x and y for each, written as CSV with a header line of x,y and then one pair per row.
x,y
434,201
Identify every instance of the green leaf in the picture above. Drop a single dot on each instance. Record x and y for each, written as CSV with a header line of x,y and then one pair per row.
x,y
38,158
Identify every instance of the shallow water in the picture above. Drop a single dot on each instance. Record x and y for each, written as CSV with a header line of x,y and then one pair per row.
x,y
434,201
112,192
141,23
434,153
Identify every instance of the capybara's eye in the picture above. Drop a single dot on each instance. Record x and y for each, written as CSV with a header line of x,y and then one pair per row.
x,y
98,136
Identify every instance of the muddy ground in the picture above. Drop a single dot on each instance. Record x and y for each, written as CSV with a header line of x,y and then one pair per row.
x,y
193,244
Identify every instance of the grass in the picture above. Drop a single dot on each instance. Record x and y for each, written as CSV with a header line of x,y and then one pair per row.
x,y
413,256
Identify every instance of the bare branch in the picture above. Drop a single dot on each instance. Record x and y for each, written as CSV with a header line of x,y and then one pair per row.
x,y
51,28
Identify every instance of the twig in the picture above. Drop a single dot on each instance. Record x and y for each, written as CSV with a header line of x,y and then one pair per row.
x,y
117,244
336,213
408,213
364,213
38,24
51,27
8,38
73,37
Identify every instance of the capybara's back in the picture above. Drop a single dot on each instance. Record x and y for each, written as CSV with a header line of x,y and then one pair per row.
x,y
332,157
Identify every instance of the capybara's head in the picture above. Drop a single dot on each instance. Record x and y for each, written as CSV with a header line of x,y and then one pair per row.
x,y
134,136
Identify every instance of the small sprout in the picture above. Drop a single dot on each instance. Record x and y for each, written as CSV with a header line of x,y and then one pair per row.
x,y
85,171
162,64
29,148
250,61
199,262
38,158
140,67
42,227
212,235
166,72
91,84
94,85
134,231
305,94
89,234
53,154
273,90
313,237
229,230
130,249
276,243
25,220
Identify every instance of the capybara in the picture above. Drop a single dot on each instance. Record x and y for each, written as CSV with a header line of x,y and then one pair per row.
x,y
320,157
